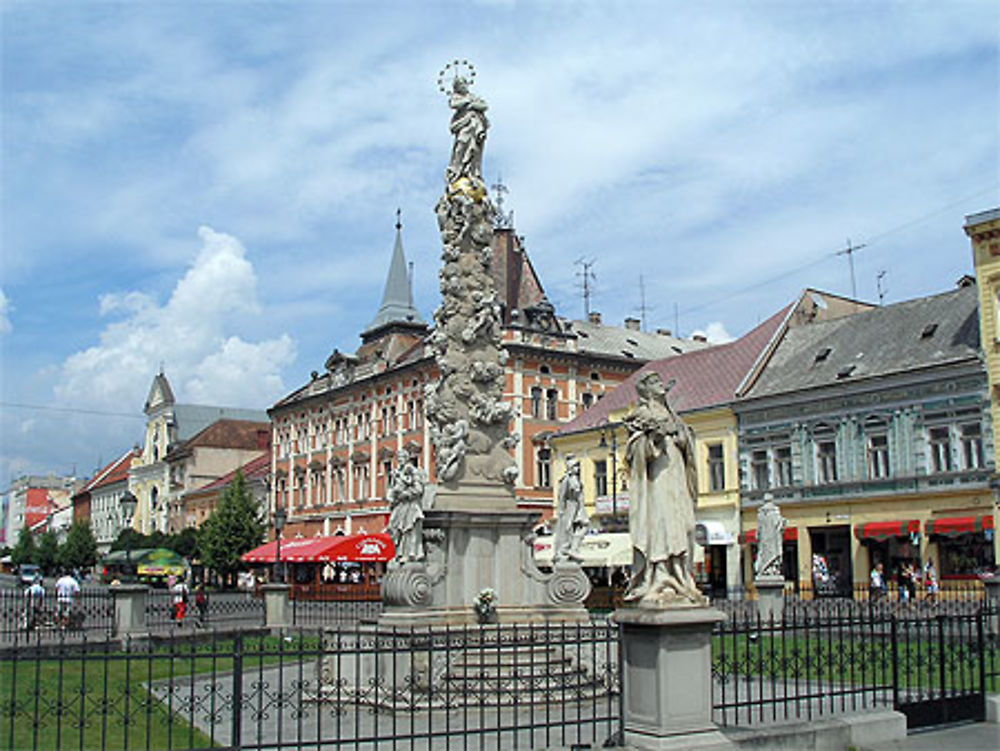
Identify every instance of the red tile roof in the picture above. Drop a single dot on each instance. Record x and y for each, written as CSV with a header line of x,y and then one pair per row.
x,y
252,470
703,378
114,472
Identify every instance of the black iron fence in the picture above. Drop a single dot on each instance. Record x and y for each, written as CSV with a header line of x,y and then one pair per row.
x,y
22,612
935,664
490,687
335,611
223,609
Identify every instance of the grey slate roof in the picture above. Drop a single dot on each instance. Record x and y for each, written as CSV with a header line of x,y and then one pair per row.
x,y
194,418
601,339
397,303
906,336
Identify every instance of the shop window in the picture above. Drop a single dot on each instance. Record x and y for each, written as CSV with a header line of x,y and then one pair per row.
x,y
940,450
965,554
601,477
972,445
716,468
536,402
759,470
543,467
551,403
783,466
878,456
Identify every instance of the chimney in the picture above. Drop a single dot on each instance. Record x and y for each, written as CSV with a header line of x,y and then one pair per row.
x,y
632,324
699,337
594,317
664,332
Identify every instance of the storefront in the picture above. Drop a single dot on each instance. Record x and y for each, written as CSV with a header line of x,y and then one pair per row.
x,y
832,569
964,545
894,544
715,542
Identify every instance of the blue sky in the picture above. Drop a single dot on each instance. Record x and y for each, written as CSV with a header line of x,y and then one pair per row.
x,y
213,185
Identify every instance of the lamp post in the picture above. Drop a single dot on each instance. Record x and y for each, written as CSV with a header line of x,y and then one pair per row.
x,y
127,504
279,524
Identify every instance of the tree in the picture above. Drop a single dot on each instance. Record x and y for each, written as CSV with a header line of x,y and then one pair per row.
x,y
48,552
80,549
184,543
234,528
25,550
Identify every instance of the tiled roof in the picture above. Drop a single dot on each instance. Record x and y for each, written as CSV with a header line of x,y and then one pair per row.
x,y
116,471
906,336
703,378
229,434
194,418
619,341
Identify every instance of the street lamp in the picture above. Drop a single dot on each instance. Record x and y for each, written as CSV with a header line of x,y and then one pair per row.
x,y
127,504
279,524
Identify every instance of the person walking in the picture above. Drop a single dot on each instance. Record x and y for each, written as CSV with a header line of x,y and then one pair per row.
x,y
34,602
180,598
67,594
931,582
201,603
877,588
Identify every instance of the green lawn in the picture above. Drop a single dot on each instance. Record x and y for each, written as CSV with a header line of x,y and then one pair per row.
x,y
100,700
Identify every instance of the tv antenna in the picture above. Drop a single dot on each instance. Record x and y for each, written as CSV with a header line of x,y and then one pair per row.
x,y
587,277
878,285
643,308
849,251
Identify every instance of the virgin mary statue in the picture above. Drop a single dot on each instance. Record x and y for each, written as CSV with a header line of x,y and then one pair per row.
x,y
662,494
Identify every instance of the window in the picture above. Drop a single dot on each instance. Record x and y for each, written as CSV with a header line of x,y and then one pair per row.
x,y
601,477
716,468
972,445
878,456
543,467
783,466
544,370
411,415
759,470
586,399
387,470
940,450
826,461
536,402
551,403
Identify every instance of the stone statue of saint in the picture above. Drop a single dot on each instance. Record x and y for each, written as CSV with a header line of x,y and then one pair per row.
x,y
572,520
663,490
770,535
406,522
468,126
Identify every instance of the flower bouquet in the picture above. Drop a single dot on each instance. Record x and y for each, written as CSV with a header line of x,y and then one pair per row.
x,y
485,605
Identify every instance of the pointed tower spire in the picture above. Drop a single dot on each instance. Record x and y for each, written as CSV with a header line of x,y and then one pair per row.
x,y
397,301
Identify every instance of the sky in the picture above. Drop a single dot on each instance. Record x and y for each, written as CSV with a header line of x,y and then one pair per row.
x,y
211,187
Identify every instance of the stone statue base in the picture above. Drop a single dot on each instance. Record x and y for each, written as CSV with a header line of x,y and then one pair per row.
x,y
667,680
770,596
474,551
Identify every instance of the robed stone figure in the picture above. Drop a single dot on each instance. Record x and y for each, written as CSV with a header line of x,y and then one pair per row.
x,y
572,520
662,494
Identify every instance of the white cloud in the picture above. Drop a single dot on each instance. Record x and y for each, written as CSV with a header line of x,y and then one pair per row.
x,y
5,307
194,334
715,332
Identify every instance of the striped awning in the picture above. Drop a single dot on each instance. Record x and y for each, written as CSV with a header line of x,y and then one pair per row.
x,y
885,530
953,526
749,537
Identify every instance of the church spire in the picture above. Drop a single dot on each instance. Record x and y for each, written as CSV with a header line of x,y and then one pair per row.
x,y
397,298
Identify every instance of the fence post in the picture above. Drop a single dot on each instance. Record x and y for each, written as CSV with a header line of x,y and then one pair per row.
x,y
895,661
941,668
130,609
276,608
236,739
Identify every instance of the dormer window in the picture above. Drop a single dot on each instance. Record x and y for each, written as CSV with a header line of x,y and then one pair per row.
x,y
822,355
928,331
846,371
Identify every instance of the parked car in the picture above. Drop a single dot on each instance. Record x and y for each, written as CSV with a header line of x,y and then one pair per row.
x,y
28,572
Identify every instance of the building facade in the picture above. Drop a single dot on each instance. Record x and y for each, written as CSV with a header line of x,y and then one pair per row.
x,y
98,502
32,500
873,433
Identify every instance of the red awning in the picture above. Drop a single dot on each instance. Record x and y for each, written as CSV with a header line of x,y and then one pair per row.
x,y
750,536
958,525
885,530
361,548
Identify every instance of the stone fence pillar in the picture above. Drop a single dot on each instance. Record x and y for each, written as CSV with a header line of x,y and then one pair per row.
x,y
130,609
992,586
667,678
770,597
277,607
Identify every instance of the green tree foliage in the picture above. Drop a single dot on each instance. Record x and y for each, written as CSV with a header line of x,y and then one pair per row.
x,y
80,549
25,550
185,543
48,552
234,528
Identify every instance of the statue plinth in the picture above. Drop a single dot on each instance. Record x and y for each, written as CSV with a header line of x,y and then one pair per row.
x,y
667,677
475,497
770,596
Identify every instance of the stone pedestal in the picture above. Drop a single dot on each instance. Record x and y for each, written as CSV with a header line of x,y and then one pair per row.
x,y
277,608
667,678
130,609
770,597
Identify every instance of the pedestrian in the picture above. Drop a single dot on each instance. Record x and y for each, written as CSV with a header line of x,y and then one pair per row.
x,y
67,593
931,581
877,589
34,602
201,603
180,598
912,575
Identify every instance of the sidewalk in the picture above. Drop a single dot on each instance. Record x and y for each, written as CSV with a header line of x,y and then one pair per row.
x,y
978,736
